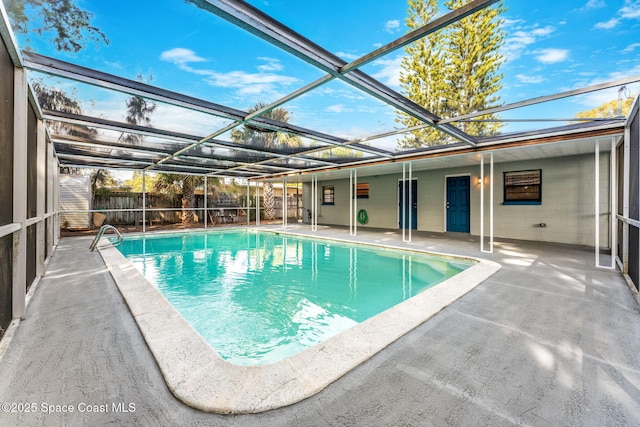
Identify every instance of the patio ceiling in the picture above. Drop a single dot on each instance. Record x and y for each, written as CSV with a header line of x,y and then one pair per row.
x,y
162,148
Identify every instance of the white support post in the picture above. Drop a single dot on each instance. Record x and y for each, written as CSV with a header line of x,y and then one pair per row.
x,y
351,202
144,201
206,212
410,191
403,201
56,201
248,205
482,202
407,186
257,204
284,202
51,183
625,199
613,191
19,275
491,204
353,206
355,201
41,185
597,202
314,202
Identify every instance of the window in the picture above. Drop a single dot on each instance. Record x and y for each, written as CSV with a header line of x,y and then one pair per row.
x,y
327,195
523,187
362,190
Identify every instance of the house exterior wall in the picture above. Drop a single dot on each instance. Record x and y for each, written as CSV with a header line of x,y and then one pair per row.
x,y
567,206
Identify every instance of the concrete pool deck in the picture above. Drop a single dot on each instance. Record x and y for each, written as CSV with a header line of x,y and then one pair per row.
x,y
547,340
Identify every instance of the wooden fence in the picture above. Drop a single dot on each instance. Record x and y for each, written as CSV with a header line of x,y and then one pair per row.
x,y
117,208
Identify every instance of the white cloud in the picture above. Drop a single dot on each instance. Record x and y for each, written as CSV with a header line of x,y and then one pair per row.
x,y
180,55
523,78
264,82
272,64
389,71
551,55
595,4
607,25
392,26
337,108
541,32
594,99
347,56
519,40
631,10
630,48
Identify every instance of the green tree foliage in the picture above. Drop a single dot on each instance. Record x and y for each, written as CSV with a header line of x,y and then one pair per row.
x,y
452,72
423,74
58,100
134,184
174,184
139,112
608,109
70,26
262,138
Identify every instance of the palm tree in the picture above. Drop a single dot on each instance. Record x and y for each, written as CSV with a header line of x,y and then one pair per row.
x,y
173,184
265,138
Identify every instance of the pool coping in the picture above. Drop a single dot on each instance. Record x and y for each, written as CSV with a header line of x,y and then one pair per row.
x,y
199,377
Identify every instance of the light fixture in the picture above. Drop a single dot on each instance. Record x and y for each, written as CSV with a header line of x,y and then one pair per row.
x,y
479,180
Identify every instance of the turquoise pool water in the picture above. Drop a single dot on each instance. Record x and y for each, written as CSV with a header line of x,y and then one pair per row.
x,y
260,297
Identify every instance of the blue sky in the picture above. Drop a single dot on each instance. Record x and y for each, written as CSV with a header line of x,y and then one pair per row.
x,y
551,46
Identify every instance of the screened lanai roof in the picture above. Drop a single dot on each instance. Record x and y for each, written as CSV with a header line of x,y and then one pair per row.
x,y
205,65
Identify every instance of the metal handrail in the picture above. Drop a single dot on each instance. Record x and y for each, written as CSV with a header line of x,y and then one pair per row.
x,y
104,228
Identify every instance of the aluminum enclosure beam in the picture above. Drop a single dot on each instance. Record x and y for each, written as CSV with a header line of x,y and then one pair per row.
x,y
258,23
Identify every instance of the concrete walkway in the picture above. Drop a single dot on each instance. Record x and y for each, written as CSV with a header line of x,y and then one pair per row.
x,y
548,340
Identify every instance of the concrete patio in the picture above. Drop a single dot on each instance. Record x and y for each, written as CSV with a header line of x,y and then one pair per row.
x,y
548,340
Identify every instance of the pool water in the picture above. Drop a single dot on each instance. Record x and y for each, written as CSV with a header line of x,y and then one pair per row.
x,y
260,297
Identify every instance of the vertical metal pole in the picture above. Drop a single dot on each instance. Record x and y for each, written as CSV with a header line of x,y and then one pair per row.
x,y
481,202
597,202
144,201
403,201
314,202
351,213
491,205
284,202
257,203
206,211
410,191
19,275
248,205
41,239
625,198
355,201
613,189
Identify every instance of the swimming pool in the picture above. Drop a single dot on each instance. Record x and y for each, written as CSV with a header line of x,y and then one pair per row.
x,y
260,297
196,374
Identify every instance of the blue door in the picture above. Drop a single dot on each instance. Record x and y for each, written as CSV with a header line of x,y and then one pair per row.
x,y
458,204
404,209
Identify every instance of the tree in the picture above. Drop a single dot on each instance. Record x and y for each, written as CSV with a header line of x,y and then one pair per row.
x,y
138,112
473,64
58,100
612,108
70,26
264,138
422,74
452,72
174,184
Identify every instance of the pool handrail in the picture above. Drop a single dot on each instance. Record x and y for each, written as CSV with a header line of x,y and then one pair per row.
x,y
102,230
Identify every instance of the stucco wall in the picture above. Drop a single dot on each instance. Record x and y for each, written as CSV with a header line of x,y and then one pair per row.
x,y
567,206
